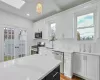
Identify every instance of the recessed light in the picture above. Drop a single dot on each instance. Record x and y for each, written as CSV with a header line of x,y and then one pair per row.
x,y
28,14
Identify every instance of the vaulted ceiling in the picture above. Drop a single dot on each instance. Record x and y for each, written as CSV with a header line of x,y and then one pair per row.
x,y
50,7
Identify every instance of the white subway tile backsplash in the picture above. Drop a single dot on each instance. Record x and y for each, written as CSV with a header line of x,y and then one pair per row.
x,y
71,45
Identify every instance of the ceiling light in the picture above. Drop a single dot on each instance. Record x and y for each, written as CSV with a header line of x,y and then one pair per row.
x,y
28,14
39,8
14,3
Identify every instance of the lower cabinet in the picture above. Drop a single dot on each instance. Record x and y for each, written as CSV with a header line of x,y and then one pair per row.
x,y
54,75
78,64
92,71
86,66
68,64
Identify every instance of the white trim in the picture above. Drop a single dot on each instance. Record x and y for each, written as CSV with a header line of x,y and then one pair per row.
x,y
93,9
85,27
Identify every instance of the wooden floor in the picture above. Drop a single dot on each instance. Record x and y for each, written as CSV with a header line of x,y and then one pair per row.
x,y
62,77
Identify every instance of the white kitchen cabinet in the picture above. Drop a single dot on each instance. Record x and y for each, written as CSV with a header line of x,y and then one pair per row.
x,y
65,25
92,67
86,66
68,64
79,64
59,28
41,26
38,26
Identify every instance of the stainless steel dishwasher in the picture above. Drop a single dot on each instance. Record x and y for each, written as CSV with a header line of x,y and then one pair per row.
x,y
59,56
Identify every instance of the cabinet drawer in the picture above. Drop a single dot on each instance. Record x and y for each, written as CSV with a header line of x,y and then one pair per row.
x,y
54,75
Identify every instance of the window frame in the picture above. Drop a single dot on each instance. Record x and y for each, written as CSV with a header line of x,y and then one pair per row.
x,y
52,28
84,12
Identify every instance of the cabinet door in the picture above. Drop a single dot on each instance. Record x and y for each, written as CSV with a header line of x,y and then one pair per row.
x,y
67,24
79,64
64,25
54,75
68,65
92,67
41,26
57,76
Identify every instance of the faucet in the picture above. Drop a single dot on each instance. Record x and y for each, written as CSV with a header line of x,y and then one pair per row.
x,y
90,48
84,48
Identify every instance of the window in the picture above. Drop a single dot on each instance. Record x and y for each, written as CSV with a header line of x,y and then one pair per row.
x,y
85,27
53,31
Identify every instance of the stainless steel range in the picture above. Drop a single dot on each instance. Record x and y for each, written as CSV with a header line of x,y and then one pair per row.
x,y
35,48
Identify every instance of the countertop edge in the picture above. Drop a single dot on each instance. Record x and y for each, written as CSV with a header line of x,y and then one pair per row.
x,y
49,72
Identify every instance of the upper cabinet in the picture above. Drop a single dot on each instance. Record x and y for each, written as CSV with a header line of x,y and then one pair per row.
x,y
40,26
64,25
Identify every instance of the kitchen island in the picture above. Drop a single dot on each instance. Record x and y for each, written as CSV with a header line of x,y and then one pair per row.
x,y
35,67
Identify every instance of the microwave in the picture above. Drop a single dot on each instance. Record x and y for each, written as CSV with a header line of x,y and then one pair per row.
x,y
38,35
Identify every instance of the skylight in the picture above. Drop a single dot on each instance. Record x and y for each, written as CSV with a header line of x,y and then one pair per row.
x,y
14,3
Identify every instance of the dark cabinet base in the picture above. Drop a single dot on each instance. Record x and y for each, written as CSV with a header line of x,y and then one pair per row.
x,y
54,75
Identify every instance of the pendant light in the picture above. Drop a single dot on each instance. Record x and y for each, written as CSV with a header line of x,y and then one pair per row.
x,y
39,8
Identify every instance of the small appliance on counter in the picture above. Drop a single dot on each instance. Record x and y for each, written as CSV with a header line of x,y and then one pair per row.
x,y
38,35
41,44
35,48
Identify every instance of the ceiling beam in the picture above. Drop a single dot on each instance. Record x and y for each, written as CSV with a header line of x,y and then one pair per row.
x,y
56,5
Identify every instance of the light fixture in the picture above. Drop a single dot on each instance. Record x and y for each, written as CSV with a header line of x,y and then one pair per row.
x,y
14,3
28,14
39,8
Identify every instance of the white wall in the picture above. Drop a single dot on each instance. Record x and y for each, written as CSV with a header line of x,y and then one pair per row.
x,y
12,20
65,23
72,44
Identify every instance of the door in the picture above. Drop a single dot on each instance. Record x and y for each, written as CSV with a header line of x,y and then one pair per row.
x,y
68,65
79,64
8,44
20,43
92,67
15,42
1,44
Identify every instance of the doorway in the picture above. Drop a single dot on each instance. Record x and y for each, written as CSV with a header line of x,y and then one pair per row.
x,y
15,43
